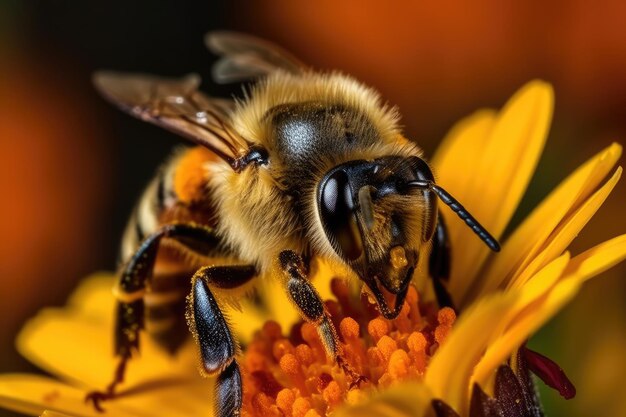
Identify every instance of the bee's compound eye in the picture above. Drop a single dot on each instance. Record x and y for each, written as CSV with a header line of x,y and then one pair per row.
x,y
336,211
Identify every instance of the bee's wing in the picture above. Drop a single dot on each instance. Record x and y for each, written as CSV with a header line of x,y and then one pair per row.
x,y
246,57
177,105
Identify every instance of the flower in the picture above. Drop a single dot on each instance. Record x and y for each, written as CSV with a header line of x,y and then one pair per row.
x,y
427,360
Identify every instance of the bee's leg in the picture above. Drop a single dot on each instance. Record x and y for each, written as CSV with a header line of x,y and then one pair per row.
x,y
312,309
130,290
439,264
216,343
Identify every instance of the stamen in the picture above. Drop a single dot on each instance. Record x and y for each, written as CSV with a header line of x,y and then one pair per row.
x,y
301,406
292,376
378,328
417,344
291,367
446,318
285,400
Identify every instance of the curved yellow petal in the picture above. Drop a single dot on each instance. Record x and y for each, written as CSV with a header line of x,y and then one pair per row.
x,y
62,340
449,372
499,175
455,158
598,259
49,413
407,399
454,164
93,297
567,230
32,394
522,328
532,234
528,298
536,308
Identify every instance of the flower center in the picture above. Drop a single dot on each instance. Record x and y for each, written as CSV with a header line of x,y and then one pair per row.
x,y
291,375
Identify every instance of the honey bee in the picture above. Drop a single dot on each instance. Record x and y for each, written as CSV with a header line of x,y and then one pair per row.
x,y
308,166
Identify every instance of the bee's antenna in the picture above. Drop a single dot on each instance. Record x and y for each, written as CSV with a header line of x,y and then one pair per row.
x,y
461,211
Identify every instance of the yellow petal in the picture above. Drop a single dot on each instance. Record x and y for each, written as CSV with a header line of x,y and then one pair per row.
x,y
407,399
30,394
62,340
532,314
598,259
567,231
49,413
461,147
530,237
522,328
527,299
170,397
93,297
454,164
499,176
451,367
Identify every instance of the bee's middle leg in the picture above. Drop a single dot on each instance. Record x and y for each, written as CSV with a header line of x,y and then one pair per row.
x,y
211,331
312,310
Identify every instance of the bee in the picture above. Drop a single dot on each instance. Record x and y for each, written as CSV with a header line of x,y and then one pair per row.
x,y
308,166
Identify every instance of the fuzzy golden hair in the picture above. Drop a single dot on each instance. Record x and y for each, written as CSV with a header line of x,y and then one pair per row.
x,y
260,220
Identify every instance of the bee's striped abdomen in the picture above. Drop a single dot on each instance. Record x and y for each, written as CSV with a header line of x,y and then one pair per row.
x,y
160,204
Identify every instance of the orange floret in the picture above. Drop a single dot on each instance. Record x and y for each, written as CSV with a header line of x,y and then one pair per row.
x,y
293,377
378,328
284,401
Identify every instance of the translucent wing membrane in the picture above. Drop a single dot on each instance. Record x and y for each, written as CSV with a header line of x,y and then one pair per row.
x,y
177,105
246,57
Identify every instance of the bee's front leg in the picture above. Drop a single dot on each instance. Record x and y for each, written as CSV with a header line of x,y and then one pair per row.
x,y
211,331
312,310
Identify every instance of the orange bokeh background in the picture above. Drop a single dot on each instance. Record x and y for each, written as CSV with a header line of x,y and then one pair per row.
x,y
70,166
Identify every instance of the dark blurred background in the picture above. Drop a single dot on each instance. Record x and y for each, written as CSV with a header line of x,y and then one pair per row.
x,y
71,166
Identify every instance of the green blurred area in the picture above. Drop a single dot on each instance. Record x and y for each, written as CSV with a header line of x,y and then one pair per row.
x,y
80,164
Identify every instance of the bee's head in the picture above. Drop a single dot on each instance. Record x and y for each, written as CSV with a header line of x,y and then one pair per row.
x,y
378,215
377,224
